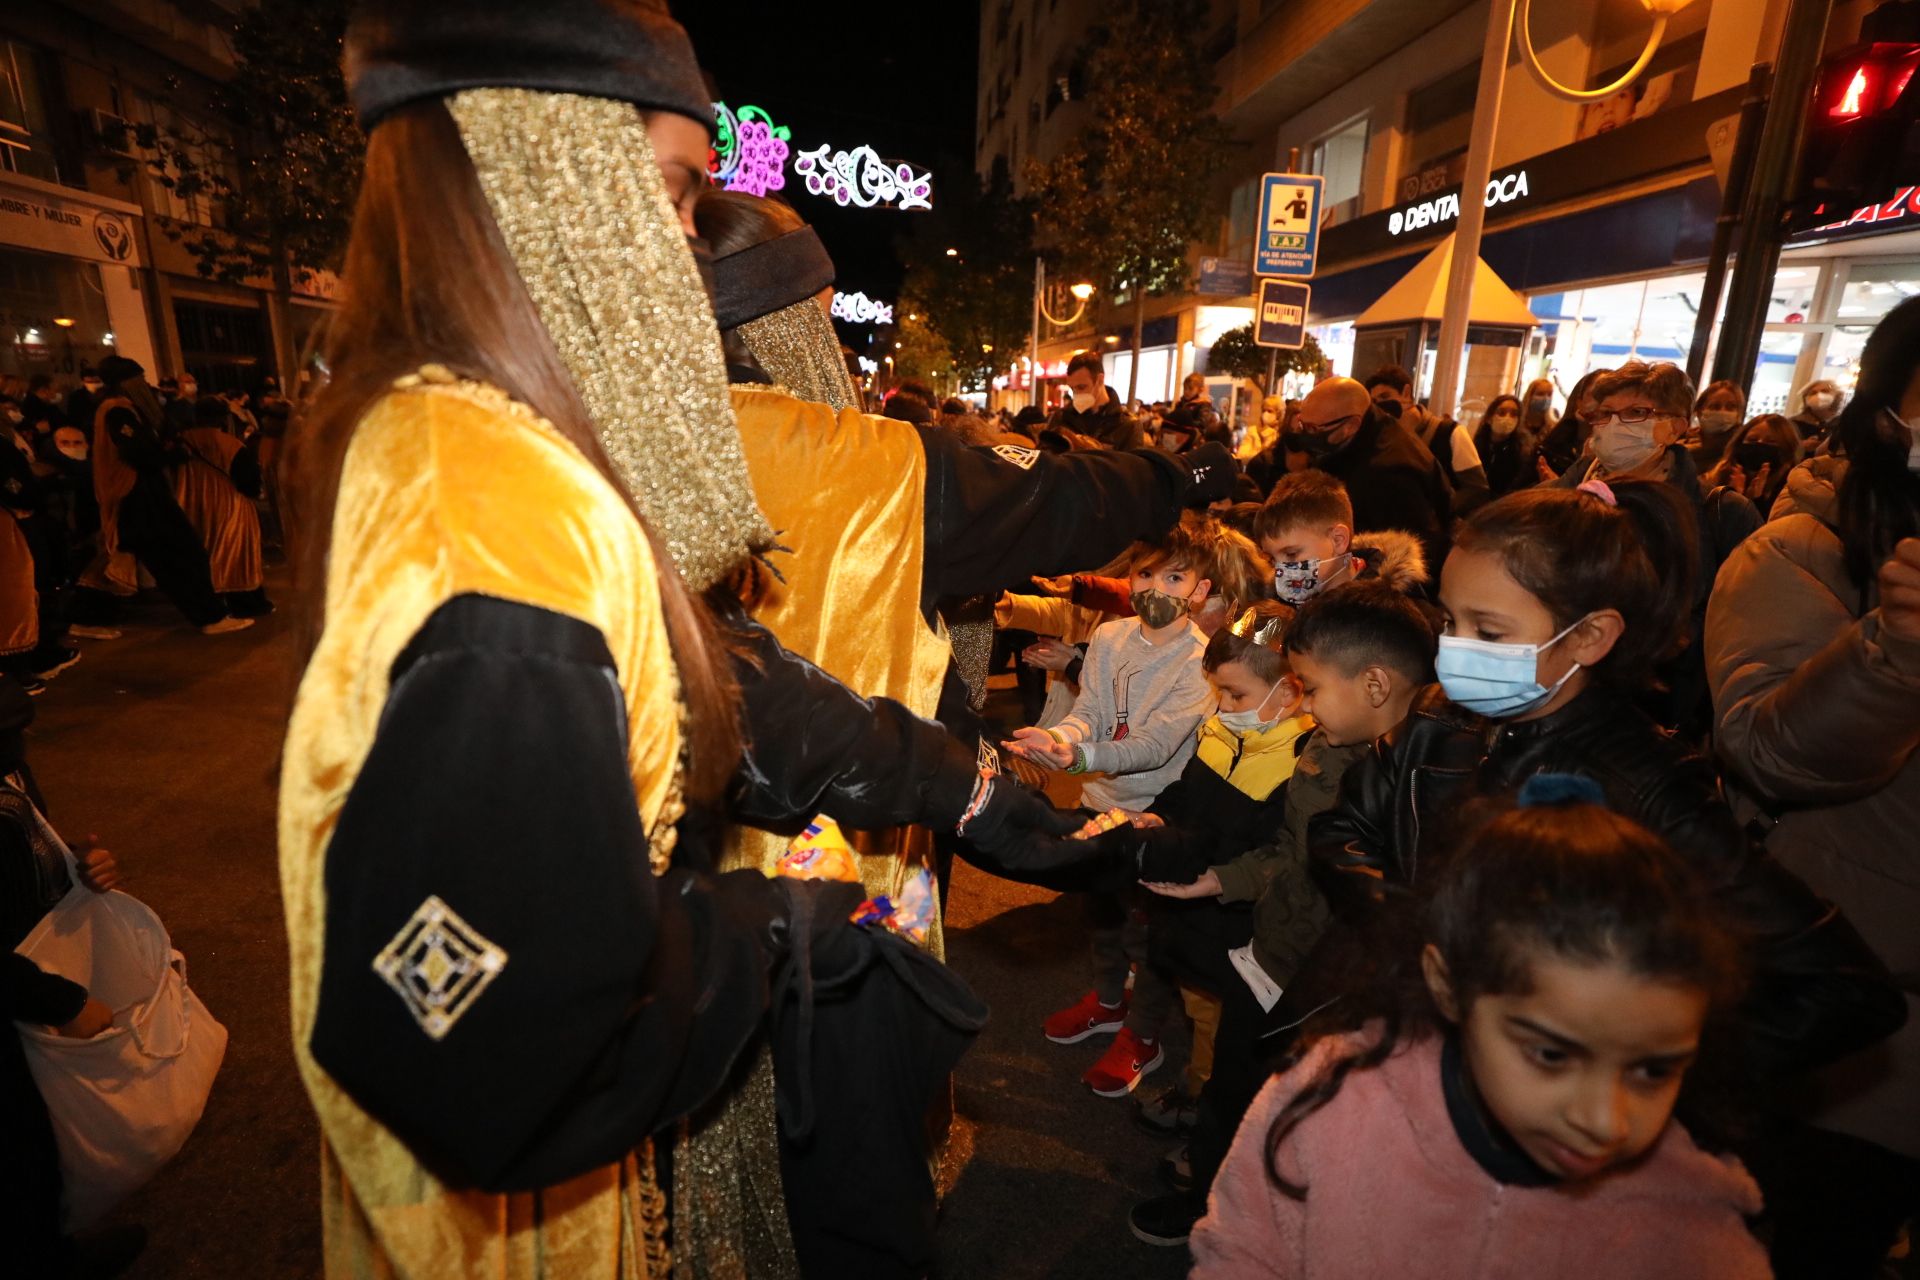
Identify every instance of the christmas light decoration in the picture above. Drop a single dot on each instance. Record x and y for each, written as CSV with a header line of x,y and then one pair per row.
x,y
749,150
860,177
858,308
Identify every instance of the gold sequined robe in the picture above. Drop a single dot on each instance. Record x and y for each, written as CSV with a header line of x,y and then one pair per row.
x,y
451,488
846,492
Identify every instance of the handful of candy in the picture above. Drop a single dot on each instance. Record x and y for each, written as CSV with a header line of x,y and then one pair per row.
x,y
1101,823
820,852
908,913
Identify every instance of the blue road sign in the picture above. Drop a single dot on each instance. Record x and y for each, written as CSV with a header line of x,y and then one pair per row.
x,y
1288,233
1281,320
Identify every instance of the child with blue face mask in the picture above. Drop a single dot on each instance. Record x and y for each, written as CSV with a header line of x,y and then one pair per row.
x,y
1559,603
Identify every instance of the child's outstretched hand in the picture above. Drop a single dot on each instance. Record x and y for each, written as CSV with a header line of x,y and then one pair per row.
x,y
1207,886
1040,747
98,870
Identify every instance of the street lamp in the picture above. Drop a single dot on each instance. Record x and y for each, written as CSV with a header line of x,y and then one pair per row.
x,y
1451,357
1082,291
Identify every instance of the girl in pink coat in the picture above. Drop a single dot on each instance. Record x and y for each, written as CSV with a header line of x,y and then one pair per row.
x,y
1507,1108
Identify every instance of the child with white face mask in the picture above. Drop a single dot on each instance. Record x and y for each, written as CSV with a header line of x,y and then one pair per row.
x,y
1558,605
1306,530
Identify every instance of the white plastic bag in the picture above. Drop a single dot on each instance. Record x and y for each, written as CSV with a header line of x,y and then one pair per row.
x,y
124,1102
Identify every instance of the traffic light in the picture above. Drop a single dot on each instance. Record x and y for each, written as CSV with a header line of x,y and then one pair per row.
x,y
1863,130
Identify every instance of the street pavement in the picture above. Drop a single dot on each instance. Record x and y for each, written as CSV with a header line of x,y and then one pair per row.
x,y
164,743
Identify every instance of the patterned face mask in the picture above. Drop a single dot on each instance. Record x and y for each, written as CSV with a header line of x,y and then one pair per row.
x,y
1158,609
1298,581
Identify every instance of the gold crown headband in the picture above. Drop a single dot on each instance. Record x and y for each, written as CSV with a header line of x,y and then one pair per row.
x,y
1248,626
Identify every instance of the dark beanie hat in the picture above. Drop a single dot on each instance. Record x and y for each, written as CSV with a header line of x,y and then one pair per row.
x,y
402,51
115,370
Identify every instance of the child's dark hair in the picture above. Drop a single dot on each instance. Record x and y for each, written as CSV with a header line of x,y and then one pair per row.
x,y
1193,545
1309,498
1879,497
1577,882
1579,553
1256,640
1364,624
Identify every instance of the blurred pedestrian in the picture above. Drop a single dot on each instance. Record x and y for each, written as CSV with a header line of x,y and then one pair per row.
x,y
1094,410
1820,403
1392,391
1717,414
1507,447
1758,459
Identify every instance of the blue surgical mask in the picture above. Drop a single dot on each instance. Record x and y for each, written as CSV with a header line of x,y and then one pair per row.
x,y
1494,678
1298,581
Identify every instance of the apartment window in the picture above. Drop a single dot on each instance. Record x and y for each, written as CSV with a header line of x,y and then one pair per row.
x,y
209,156
1341,158
1439,121
25,146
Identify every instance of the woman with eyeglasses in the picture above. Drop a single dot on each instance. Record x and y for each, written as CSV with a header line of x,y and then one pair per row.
x,y
1639,416
1813,652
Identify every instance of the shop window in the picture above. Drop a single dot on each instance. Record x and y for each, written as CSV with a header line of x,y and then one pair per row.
x,y
37,292
227,348
25,144
1243,207
1341,158
1439,121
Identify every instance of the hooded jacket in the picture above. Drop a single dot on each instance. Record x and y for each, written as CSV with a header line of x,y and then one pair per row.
x,y
1395,558
1819,992
1818,721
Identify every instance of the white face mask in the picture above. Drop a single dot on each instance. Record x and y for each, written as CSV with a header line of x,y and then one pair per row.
x,y
1298,581
1623,446
1820,400
1254,721
1718,421
1502,425
1084,401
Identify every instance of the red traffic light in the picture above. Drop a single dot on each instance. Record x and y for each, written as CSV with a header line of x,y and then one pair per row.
x,y
1866,82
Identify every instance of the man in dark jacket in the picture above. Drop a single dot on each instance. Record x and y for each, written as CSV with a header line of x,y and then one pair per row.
x,y
1195,400
1095,411
1391,478
1453,448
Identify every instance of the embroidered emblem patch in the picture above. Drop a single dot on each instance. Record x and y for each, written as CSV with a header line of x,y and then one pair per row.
x,y
438,964
1019,455
989,759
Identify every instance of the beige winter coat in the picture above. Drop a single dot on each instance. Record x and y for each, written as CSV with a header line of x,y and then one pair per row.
x,y
1818,715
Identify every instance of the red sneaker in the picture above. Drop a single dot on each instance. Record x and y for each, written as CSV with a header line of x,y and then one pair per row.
x,y
1087,1017
1123,1065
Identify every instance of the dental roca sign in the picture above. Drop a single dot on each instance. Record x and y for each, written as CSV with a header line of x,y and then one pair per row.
x,y
1504,189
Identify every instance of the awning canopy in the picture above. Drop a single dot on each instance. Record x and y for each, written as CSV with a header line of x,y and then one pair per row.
x,y
1421,294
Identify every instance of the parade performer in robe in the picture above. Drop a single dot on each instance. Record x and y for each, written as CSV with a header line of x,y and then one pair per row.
x,y
524,703
878,519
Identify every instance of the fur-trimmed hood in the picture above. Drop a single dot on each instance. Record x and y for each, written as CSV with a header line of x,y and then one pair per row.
x,y
1394,557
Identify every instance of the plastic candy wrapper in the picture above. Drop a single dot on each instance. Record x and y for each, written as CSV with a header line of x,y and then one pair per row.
x,y
909,913
821,852
1100,824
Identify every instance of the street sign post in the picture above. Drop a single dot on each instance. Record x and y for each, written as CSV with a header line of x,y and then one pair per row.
x,y
1281,320
1289,226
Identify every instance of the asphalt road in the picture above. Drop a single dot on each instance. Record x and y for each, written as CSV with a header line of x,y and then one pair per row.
x,y
164,743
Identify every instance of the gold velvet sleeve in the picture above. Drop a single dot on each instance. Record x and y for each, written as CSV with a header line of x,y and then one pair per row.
x,y
450,488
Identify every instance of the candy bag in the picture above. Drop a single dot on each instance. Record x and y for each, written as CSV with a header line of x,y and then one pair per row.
x,y
820,852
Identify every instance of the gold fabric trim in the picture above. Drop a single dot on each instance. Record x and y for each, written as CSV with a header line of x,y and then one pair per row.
x,y
729,1210
798,348
574,187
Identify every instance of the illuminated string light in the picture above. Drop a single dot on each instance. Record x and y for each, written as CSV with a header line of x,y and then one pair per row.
x,y
858,308
860,177
749,150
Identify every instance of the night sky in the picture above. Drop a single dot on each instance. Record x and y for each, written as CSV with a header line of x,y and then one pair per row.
x,y
898,77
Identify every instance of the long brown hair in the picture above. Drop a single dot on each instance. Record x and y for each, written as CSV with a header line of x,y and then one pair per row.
x,y
428,279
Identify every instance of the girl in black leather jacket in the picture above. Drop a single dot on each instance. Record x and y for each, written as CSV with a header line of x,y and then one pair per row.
x,y
1558,605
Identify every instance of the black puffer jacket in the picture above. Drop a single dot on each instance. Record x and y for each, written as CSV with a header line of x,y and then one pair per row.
x,y
1818,990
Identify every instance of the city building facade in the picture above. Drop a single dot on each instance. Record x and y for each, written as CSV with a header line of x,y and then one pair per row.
x,y
1599,215
91,254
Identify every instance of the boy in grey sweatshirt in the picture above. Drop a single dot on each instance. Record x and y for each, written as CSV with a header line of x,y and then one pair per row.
x,y
1143,694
